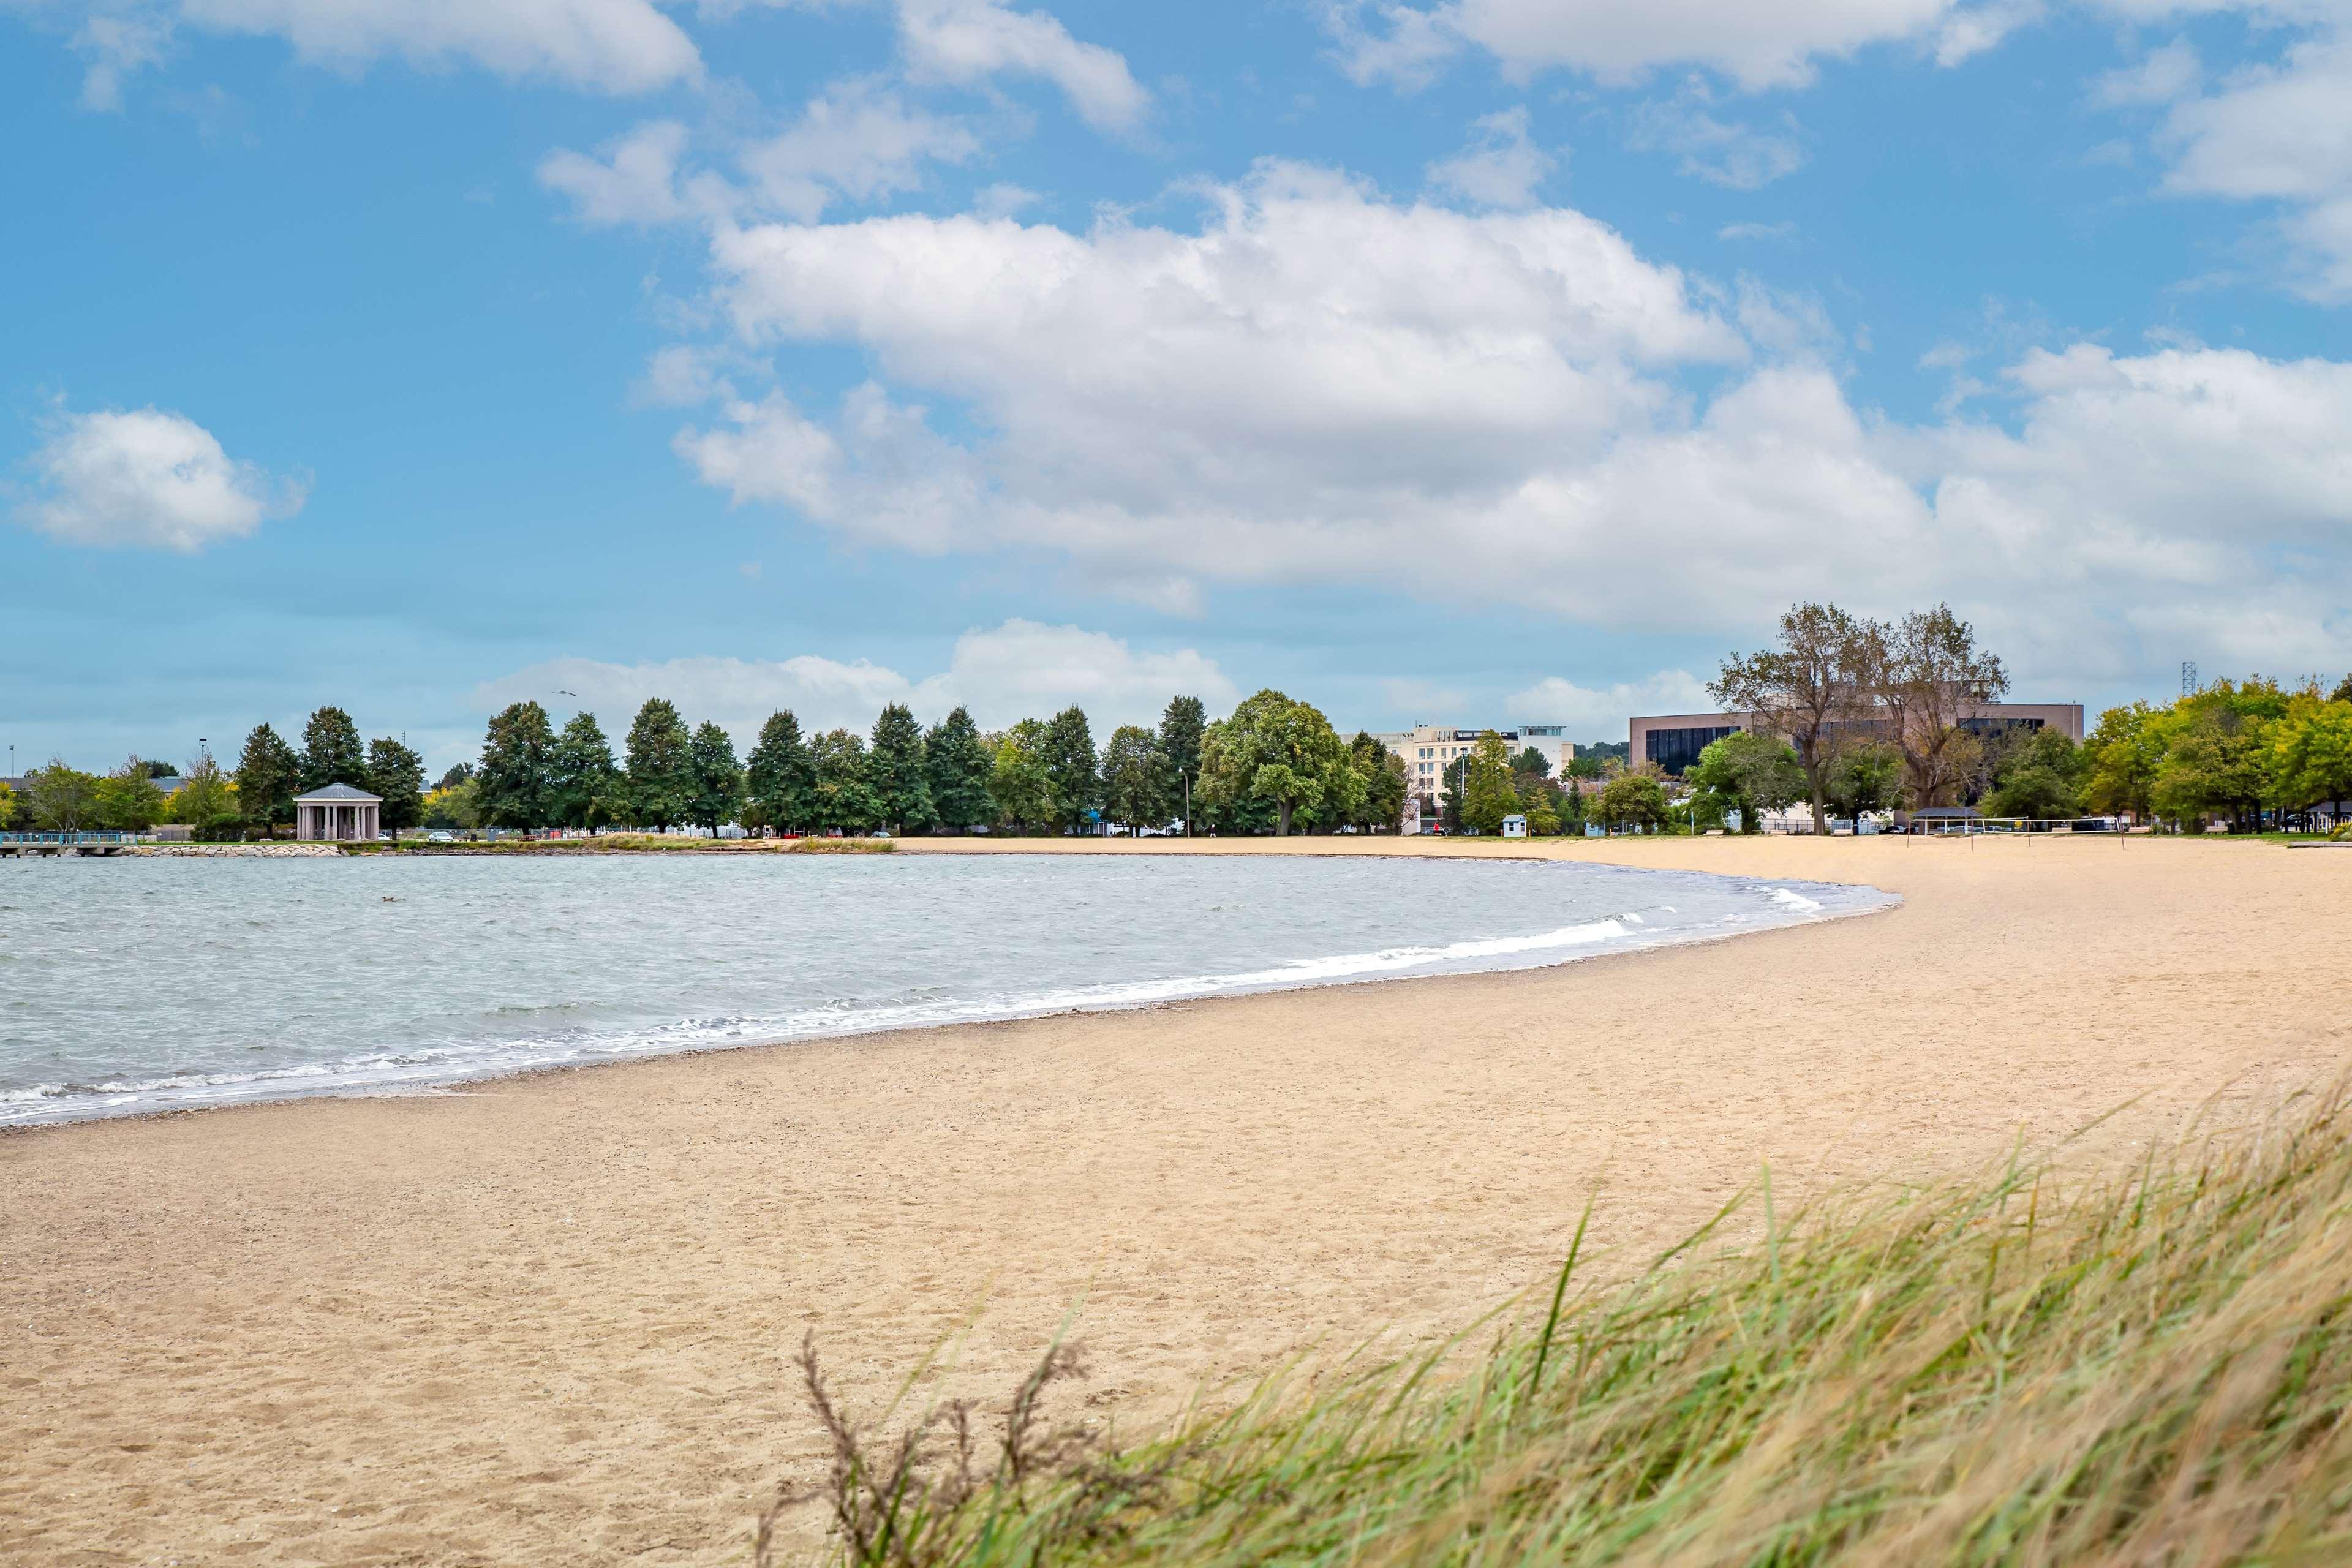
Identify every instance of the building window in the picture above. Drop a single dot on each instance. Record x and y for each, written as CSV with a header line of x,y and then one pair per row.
x,y
1676,750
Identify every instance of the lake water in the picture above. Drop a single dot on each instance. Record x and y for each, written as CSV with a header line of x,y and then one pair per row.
x,y
130,986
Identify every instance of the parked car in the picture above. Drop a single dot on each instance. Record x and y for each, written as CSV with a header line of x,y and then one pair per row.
x,y
438,837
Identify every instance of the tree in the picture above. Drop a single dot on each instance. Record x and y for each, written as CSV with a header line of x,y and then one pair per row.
x,y
895,768
1069,759
60,799
1543,818
2343,692
2037,774
1488,796
1867,777
1018,781
8,803
1753,773
1183,725
2215,765
1455,782
842,797
268,776
657,784
2313,746
128,800
458,773
158,769
331,751
1935,684
959,763
717,792
1382,810
583,784
397,776
1571,815
2121,757
1132,777
205,802
779,776
1634,801
1282,753
516,781
456,805
1812,690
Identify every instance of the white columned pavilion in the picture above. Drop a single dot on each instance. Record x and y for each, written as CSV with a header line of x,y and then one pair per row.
x,y
337,814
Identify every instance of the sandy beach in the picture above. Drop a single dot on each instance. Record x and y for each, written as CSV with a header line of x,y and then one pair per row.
x,y
551,1319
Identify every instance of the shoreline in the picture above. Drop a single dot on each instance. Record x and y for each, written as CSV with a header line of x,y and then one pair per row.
x,y
552,1317
1219,988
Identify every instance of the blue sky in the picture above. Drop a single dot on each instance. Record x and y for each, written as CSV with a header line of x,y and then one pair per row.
x,y
1467,360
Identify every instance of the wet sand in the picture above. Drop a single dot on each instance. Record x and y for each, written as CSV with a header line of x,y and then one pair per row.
x,y
551,1319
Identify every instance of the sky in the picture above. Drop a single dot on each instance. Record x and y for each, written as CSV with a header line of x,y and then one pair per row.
x,y
1459,360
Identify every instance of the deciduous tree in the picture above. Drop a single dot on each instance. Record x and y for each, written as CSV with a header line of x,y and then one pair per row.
x,y
842,796
717,791
584,784
1753,773
1018,781
1813,690
515,783
127,798
205,802
1182,724
1069,758
1488,796
1131,777
2313,746
1866,778
1381,809
1282,753
1935,682
1634,801
60,799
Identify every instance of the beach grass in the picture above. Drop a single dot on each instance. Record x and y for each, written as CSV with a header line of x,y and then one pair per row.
x,y
2149,1366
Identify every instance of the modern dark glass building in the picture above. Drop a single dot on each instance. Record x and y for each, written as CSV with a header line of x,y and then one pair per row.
x,y
1674,740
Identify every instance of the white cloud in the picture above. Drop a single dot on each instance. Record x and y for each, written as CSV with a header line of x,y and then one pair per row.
x,y
1017,670
857,140
1735,155
968,40
1588,711
2161,75
1757,46
609,46
1318,384
147,478
1784,230
1500,168
633,180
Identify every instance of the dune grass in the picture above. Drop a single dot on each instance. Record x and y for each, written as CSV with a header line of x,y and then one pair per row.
x,y
2143,1368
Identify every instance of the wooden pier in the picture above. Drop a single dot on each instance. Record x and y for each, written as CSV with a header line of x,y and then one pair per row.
x,y
12,844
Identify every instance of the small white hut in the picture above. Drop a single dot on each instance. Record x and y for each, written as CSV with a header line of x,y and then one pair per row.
x,y
338,813
1514,826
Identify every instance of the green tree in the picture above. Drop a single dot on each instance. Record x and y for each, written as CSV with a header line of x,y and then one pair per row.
x,y
1018,781
1488,796
1183,726
1454,779
60,799
397,776
1572,812
2121,757
127,798
896,769
1282,753
1543,817
8,803
456,805
717,789
2313,752
843,796
1634,801
2343,692
657,783
331,751
1069,759
1813,690
584,784
779,776
1751,773
2216,764
2037,774
1381,809
458,773
205,802
517,777
268,776
959,763
1868,778
1132,792
1934,682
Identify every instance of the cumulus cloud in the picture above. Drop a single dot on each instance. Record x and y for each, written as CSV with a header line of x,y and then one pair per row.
x,y
968,40
1317,383
608,46
1017,670
857,140
147,478
1500,168
1756,45
1587,711
632,179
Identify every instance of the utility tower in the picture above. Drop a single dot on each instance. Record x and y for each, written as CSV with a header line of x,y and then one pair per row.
x,y
2188,685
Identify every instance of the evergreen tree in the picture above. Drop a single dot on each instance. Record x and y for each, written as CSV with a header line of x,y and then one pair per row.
x,y
396,775
1069,759
1571,817
659,781
582,781
1456,775
331,751
718,787
269,777
516,780
1132,792
1181,727
1382,809
780,777
959,763
1018,781
842,796
895,768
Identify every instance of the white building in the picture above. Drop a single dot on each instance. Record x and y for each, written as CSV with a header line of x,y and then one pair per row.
x,y
1428,748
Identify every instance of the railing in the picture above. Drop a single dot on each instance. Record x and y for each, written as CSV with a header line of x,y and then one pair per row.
x,y
70,838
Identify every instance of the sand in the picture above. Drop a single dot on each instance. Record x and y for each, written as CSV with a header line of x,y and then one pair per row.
x,y
551,1319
